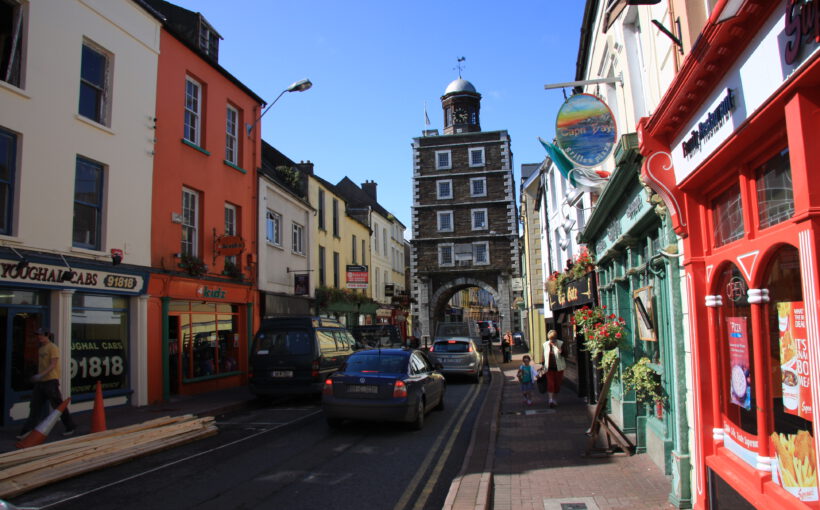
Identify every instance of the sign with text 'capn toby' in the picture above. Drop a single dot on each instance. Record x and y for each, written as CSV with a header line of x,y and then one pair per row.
x,y
585,130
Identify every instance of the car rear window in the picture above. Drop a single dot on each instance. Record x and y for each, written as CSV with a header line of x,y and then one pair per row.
x,y
451,346
453,330
381,364
283,342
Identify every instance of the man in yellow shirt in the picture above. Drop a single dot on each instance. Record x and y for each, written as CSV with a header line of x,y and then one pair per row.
x,y
46,385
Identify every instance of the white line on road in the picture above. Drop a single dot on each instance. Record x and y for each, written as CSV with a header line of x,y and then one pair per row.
x,y
178,461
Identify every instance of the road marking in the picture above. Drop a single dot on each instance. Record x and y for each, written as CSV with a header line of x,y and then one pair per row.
x,y
178,461
416,480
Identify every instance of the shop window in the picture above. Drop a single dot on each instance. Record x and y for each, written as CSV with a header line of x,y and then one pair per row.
x,y
210,339
99,342
727,217
775,195
736,352
791,410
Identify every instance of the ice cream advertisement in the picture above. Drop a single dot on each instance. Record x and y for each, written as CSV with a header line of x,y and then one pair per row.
x,y
794,359
739,387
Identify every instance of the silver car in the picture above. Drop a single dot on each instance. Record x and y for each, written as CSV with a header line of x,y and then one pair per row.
x,y
458,356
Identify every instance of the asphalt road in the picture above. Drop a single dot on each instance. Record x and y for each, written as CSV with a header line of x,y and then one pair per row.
x,y
284,456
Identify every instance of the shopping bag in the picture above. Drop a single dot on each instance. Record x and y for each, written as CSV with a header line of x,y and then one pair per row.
x,y
541,382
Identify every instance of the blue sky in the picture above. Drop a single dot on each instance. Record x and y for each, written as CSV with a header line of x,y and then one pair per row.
x,y
374,64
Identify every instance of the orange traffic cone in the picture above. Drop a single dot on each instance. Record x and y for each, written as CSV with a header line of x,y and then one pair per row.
x,y
98,415
39,434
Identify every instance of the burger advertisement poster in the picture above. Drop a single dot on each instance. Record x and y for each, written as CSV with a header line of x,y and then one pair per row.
x,y
794,359
740,389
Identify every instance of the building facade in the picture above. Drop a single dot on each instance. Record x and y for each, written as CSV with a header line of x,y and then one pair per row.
x,y
75,131
465,229
203,305
731,149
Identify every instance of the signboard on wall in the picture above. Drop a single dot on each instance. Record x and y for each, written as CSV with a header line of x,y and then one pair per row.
x,y
77,278
357,276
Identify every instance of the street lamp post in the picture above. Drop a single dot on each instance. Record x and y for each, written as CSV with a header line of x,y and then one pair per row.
x,y
299,86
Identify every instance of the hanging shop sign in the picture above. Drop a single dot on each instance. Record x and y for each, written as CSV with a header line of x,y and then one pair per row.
x,y
357,277
794,359
389,289
229,246
585,130
578,292
301,284
60,276
740,388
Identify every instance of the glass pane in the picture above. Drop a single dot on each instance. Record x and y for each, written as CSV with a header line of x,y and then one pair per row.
x,y
179,306
99,349
228,333
727,214
774,190
203,307
85,225
88,182
90,102
204,344
93,67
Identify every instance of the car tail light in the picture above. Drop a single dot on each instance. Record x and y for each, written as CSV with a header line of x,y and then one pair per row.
x,y
328,388
469,348
314,368
399,390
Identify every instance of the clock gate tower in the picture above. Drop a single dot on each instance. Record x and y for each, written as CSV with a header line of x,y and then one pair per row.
x,y
465,221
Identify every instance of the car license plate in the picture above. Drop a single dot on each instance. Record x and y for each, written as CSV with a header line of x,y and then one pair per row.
x,y
282,373
363,388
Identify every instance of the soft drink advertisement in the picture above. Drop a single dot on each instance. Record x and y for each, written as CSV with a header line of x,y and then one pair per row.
x,y
794,359
740,387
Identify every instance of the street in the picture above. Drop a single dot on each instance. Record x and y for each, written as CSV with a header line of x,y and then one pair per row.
x,y
284,455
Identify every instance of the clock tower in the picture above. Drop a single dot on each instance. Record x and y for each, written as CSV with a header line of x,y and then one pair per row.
x,y
461,104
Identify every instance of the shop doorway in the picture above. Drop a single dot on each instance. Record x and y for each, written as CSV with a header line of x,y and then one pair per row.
x,y
173,354
18,357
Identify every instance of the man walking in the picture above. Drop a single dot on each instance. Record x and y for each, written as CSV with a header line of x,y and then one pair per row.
x,y
46,385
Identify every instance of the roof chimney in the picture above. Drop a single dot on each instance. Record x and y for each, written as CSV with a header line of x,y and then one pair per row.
x,y
306,167
369,187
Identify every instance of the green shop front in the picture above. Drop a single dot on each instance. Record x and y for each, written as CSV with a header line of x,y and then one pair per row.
x,y
639,281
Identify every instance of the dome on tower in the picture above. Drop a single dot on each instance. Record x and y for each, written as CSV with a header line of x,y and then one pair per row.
x,y
460,85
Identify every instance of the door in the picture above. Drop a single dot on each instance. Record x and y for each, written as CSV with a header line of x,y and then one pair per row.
x,y
173,355
18,358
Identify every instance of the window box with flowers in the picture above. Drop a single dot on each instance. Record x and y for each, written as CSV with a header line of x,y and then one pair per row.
x,y
583,264
193,265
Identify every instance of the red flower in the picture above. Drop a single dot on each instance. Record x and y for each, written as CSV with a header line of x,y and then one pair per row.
x,y
617,335
604,307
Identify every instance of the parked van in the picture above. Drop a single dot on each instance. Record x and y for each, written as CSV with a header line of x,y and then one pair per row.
x,y
293,355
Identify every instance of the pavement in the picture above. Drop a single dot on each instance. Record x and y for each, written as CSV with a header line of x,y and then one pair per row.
x,y
519,457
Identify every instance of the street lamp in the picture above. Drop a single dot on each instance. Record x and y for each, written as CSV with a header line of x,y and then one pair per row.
x,y
299,86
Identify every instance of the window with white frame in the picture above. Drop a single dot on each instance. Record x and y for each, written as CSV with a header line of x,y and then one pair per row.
x,y
193,105
231,135
443,161
445,254
209,40
445,221
273,230
88,204
478,187
298,239
444,189
230,227
481,253
476,156
95,83
479,217
190,222
12,31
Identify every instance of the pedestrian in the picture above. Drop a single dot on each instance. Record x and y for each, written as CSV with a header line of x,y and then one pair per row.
x,y
46,385
554,364
506,347
526,377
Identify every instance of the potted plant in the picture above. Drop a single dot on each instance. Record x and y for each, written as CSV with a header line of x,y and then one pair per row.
x,y
645,381
193,265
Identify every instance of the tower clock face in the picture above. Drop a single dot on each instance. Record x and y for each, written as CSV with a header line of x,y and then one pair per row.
x,y
460,116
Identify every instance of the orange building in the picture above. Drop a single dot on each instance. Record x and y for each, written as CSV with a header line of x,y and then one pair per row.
x,y
202,295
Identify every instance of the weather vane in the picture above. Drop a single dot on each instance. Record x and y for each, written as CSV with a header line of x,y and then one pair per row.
x,y
460,66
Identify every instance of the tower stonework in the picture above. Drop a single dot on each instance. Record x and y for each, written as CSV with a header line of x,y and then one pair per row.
x,y
465,231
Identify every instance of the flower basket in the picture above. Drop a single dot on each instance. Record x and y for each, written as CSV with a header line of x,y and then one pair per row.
x,y
645,381
193,265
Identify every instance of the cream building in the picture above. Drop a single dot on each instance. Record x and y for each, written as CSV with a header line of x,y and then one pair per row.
x,y
77,117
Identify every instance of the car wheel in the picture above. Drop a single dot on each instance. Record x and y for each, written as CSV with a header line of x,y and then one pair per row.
x,y
440,405
418,424
334,423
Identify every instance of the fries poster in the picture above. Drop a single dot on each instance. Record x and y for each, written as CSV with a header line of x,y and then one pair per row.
x,y
795,466
794,359
739,387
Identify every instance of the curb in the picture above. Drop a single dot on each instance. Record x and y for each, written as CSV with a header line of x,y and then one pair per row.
x,y
474,490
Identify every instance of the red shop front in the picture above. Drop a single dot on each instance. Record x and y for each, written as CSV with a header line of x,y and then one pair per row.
x,y
203,330
734,151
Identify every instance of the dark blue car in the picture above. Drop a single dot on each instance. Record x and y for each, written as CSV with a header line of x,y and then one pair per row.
x,y
384,385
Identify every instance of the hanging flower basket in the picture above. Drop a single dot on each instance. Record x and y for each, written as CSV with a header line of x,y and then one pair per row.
x,y
193,265
645,381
